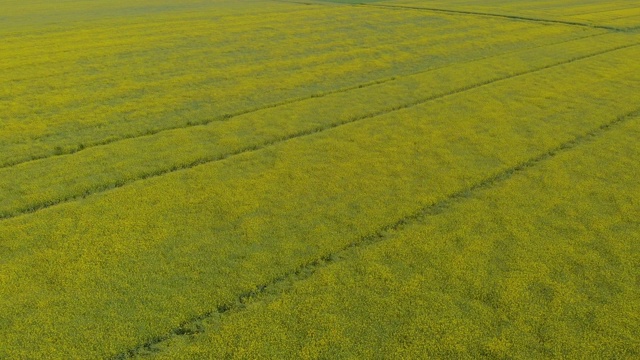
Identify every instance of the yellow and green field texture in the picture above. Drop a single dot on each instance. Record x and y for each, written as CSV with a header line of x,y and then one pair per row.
x,y
229,179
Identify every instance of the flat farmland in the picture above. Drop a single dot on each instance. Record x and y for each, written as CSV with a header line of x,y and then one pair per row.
x,y
319,179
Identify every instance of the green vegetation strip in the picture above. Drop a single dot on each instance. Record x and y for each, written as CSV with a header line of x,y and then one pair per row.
x,y
23,189
527,267
97,276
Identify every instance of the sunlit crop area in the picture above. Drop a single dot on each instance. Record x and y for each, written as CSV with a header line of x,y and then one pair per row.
x,y
319,180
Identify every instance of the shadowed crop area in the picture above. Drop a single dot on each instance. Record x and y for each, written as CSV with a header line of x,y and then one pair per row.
x,y
319,179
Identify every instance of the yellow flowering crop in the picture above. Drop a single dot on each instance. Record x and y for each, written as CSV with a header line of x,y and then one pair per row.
x,y
250,179
120,77
543,264
104,167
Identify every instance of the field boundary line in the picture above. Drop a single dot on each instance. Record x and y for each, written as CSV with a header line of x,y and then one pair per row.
x,y
603,11
304,271
227,117
255,147
504,16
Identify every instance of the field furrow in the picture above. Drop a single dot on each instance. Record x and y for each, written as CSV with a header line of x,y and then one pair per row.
x,y
599,14
503,16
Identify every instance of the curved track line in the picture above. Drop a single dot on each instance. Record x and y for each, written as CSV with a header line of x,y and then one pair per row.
x,y
511,17
603,11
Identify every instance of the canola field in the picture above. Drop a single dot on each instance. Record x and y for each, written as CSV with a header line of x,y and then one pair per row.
x,y
390,179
